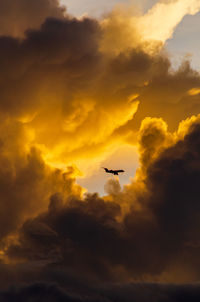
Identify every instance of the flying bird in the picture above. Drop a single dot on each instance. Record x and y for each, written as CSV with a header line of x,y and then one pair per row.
x,y
114,172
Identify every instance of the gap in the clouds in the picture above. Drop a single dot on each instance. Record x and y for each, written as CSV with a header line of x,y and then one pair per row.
x,y
125,157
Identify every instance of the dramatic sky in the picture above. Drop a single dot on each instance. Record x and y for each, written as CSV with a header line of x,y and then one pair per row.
x,y
86,85
184,43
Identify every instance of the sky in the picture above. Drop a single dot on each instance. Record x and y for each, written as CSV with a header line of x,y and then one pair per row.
x,y
91,85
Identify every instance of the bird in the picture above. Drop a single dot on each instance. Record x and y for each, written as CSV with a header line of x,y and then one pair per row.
x,y
114,172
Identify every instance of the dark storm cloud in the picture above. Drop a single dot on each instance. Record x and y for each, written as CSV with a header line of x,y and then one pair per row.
x,y
81,235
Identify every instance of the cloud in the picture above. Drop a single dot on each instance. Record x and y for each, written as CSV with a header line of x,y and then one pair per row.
x,y
156,236
26,184
16,16
128,28
58,69
167,96
77,101
169,14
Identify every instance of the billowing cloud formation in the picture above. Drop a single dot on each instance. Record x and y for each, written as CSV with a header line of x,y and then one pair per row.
x,y
68,95
168,95
26,182
63,85
60,71
149,31
158,235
